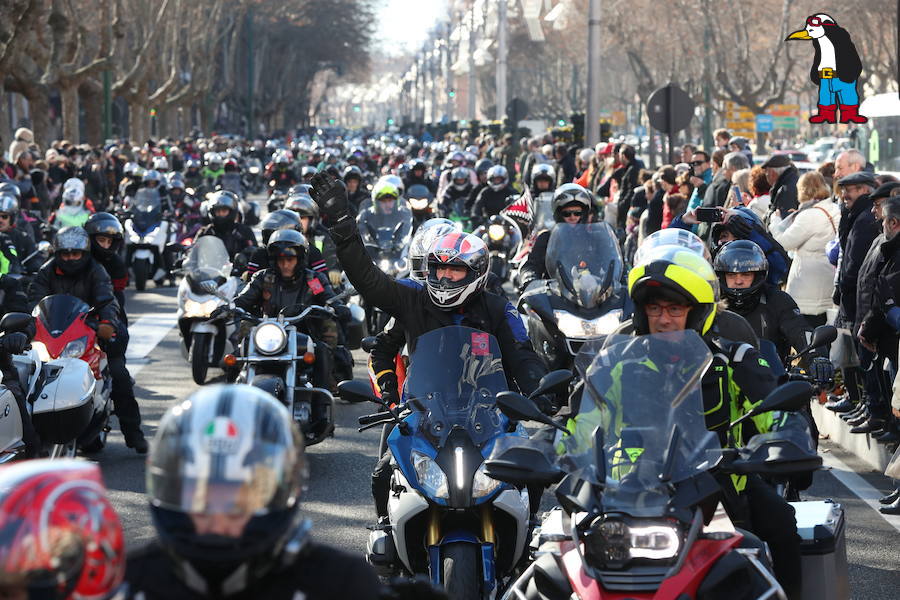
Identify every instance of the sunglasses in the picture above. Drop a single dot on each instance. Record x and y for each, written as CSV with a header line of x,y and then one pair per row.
x,y
5,216
572,213
696,163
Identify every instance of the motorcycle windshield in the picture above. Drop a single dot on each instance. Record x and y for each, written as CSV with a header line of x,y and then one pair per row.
x,y
586,261
454,375
208,259
640,424
231,182
146,209
388,232
59,311
543,213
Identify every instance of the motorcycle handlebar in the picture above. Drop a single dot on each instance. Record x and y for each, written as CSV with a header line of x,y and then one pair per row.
x,y
375,418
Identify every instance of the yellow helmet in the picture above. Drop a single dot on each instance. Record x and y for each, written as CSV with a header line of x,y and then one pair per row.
x,y
680,273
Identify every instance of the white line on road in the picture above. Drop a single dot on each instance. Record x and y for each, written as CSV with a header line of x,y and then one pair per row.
x,y
859,486
145,334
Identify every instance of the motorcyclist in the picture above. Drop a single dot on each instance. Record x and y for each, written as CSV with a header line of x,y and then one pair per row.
x,y
494,197
23,243
235,529
543,179
74,271
60,536
742,269
353,179
223,209
213,170
456,192
107,238
281,175
289,283
674,289
306,173
133,173
385,208
276,221
322,254
418,175
72,209
193,178
571,204
481,172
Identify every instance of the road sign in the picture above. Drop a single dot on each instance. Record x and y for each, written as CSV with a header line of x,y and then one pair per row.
x,y
618,118
787,122
740,125
640,131
765,123
670,109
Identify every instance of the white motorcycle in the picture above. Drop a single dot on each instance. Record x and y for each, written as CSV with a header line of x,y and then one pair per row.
x,y
11,442
207,284
147,235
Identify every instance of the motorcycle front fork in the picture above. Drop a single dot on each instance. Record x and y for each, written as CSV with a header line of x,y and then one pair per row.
x,y
434,534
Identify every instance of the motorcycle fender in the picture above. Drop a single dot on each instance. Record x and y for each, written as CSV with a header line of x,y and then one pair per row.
x,y
204,327
515,504
143,254
402,509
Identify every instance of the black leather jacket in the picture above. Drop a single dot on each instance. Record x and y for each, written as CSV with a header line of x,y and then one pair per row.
x,y
91,284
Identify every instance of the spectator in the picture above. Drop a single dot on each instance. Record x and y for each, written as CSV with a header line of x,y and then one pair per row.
x,y
583,163
675,207
805,234
701,175
849,162
508,155
653,217
721,137
742,145
782,175
827,171
741,179
565,164
687,152
759,192
717,191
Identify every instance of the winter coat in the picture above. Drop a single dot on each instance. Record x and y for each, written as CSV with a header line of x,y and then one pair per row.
x,y
857,230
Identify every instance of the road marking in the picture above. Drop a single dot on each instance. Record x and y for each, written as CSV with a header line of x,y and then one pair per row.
x,y
859,486
144,335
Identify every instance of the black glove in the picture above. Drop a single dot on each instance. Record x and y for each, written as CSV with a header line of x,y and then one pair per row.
x,y
14,342
219,312
330,194
387,383
822,370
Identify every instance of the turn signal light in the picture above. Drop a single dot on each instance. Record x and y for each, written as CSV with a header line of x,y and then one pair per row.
x,y
230,360
309,358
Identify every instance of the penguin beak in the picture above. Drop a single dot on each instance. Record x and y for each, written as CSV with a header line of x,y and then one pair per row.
x,y
799,35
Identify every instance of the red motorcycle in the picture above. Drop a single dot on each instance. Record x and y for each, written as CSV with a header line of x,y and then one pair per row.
x,y
636,491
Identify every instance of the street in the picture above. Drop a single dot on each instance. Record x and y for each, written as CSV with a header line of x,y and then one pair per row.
x,y
339,501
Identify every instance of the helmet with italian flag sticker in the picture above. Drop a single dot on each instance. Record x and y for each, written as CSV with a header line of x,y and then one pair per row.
x,y
457,249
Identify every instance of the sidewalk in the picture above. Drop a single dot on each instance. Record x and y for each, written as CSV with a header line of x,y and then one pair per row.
x,y
862,446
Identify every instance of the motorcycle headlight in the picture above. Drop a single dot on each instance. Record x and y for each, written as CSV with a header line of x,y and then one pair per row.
x,y
269,338
194,309
254,170
400,265
430,476
75,348
190,191
611,543
385,265
572,326
418,203
496,232
482,485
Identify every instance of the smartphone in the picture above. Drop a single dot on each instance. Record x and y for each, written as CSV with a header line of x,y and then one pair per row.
x,y
709,214
738,197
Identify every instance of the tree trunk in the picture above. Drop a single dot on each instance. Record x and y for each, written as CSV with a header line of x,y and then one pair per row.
x,y
39,110
68,94
6,131
92,95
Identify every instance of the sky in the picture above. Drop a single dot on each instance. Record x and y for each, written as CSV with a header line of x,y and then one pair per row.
x,y
403,25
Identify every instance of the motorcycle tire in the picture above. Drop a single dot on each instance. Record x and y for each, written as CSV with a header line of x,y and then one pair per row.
x,y
461,565
198,355
95,445
141,268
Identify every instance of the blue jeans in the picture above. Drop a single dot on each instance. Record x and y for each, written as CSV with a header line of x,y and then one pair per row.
x,y
834,91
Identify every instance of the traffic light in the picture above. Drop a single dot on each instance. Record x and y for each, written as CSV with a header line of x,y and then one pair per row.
x,y
390,121
451,92
561,122
152,112
331,121
357,108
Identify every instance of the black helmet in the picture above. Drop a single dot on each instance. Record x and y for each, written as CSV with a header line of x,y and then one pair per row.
x,y
223,199
483,166
352,172
227,449
103,223
277,220
72,238
304,206
742,256
419,165
572,193
288,242
300,188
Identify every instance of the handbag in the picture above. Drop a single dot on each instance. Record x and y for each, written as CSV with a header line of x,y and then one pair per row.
x,y
843,350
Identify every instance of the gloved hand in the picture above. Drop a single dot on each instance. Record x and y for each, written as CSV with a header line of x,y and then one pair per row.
x,y
14,342
106,331
822,370
341,312
546,405
330,193
335,278
218,312
387,383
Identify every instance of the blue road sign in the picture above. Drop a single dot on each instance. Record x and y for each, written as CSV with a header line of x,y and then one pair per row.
x,y
765,123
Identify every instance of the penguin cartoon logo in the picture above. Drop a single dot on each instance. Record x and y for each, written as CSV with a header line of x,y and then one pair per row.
x,y
835,69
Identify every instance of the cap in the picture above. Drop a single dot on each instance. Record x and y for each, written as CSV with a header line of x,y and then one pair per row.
x,y
858,178
776,161
884,190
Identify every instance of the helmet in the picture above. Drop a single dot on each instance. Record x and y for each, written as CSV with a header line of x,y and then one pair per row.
x,y
281,159
231,165
483,166
60,536
152,176
288,242
397,182
214,161
459,178
192,163
352,172
8,203
543,171
130,169
419,165
572,193
227,449
308,171
497,172
176,183
223,199
673,272
11,188
457,248
279,219
103,223
161,163
300,188
304,206
384,190
458,157
72,238
742,256
421,243
672,236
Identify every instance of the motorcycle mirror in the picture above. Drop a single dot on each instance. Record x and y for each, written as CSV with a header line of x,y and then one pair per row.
x,y
519,408
554,382
821,336
45,247
354,390
15,321
368,343
791,396
522,465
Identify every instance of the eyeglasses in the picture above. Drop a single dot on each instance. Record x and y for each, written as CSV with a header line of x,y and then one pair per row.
x,y
696,163
5,216
673,310
571,213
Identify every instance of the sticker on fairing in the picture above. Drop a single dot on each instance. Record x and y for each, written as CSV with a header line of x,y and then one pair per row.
x,y
481,345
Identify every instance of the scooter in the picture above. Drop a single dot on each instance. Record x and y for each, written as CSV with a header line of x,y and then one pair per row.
x,y
70,390
147,236
207,285
447,519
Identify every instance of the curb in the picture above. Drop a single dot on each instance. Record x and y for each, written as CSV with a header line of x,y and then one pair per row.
x,y
860,445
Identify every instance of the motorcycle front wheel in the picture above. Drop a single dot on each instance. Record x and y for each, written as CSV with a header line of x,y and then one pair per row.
x,y
461,563
141,268
198,355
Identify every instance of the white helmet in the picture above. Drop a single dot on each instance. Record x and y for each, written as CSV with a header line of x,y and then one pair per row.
x,y
421,243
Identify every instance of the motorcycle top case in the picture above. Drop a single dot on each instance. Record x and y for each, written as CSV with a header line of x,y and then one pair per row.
x,y
64,406
821,528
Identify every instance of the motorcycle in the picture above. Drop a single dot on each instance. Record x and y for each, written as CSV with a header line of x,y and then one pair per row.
x,y
253,176
147,235
421,204
69,384
386,238
585,299
541,210
277,200
207,284
502,237
278,358
466,531
11,443
635,482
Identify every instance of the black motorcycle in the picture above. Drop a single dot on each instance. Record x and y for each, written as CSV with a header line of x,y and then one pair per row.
x,y
503,239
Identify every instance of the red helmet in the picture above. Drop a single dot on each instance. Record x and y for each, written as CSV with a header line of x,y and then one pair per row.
x,y
59,535
459,249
